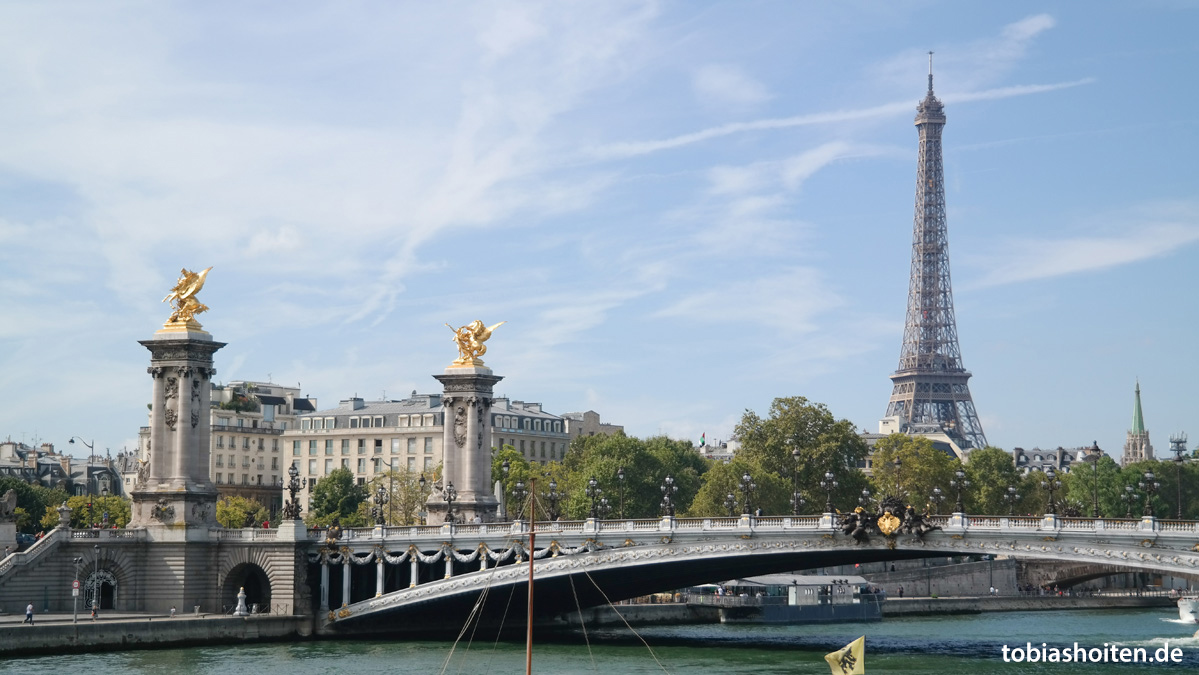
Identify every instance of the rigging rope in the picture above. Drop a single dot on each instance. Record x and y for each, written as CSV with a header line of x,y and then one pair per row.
x,y
626,623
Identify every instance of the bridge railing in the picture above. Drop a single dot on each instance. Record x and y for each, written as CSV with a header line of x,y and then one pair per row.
x,y
34,552
741,524
98,533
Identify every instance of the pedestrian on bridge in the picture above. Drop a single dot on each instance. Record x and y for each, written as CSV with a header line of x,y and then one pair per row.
x,y
29,614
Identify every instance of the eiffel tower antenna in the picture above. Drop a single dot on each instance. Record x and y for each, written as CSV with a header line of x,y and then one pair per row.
x,y
930,386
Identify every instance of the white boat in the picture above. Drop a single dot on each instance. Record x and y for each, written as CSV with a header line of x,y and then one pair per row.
x,y
1188,608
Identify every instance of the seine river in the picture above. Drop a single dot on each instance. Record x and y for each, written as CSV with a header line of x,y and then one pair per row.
x,y
957,645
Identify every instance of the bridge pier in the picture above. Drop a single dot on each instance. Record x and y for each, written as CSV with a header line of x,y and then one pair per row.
x,y
345,581
414,573
324,585
379,577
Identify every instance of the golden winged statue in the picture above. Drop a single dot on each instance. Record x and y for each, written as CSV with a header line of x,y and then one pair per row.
x,y
470,339
183,298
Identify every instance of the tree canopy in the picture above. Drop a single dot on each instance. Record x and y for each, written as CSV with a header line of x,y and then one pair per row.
x,y
336,496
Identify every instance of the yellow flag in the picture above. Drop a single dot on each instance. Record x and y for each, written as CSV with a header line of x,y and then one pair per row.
x,y
850,659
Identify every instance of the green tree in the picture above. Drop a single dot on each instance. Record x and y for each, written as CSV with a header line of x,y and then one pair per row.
x,y
1090,479
803,439
991,472
406,498
645,464
88,510
772,493
336,496
922,468
34,501
237,512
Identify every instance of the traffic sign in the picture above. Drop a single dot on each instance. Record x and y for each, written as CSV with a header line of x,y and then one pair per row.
x,y
75,584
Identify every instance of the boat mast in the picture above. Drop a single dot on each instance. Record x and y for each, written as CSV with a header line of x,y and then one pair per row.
x,y
532,535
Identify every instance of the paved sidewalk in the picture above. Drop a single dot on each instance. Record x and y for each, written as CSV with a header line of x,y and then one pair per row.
x,y
108,616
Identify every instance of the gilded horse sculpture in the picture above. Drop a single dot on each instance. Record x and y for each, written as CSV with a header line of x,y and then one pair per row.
x,y
183,297
470,339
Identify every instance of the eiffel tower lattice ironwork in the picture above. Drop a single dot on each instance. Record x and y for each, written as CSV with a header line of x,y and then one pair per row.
x,y
930,384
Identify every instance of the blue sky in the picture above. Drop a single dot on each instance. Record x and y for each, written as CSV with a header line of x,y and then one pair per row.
x,y
683,210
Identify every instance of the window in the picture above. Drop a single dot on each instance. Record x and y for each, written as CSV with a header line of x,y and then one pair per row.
x,y
361,465
428,445
220,460
305,424
245,443
241,422
295,448
378,446
260,443
427,420
428,463
330,423
412,464
362,446
274,445
218,476
220,441
311,470
361,480
245,462
412,446
328,466
543,449
353,422
402,421
378,422
395,446
245,479
222,421
274,463
345,446
522,447
366,423
312,447
345,463
328,446
537,425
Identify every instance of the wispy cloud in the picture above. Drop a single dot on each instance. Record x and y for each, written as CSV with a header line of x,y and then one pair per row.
x,y
1034,259
635,148
727,85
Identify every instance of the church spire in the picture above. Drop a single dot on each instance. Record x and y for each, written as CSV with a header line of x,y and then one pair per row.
x,y
1138,419
1137,447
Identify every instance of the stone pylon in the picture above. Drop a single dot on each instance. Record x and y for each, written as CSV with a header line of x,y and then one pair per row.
x,y
174,491
466,445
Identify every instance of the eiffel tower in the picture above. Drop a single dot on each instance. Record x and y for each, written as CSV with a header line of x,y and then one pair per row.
x,y
931,392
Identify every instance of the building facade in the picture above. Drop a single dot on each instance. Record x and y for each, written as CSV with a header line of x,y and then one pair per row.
x,y
588,424
41,465
371,437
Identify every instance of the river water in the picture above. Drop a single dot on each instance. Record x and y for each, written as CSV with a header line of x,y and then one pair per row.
x,y
943,645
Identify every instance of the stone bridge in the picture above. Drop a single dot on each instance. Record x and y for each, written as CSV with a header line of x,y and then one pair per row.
x,y
431,578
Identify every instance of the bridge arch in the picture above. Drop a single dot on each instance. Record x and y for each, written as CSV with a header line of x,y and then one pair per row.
x,y
252,568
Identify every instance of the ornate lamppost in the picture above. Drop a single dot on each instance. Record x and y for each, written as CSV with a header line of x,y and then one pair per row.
x,y
75,590
382,499
937,498
1092,458
959,482
668,489
828,484
97,585
1129,498
730,503
1150,486
898,477
450,495
1051,483
864,498
1011,497
594,493
604,509
422,483
519,494
747,488
797,502
553,498
620,481
291,510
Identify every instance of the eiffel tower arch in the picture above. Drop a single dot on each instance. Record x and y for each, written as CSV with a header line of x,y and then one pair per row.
x,y
930,391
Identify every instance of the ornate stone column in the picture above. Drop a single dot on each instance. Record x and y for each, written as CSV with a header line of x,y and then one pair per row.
x,y
345,579
466,444
324,583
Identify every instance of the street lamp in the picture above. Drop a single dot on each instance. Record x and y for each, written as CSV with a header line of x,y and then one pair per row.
x,y
421,482
620,480
1092,458
552,498
959,482
730,503
291,510
1150,486
1178,446
898,477
797,502
864,498
97,583
828,484
937,498
1051,483
519,493
604,509
1129,498
91,450
1011,497
450,495
594,493
747,488
668,489
381,500
75,589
